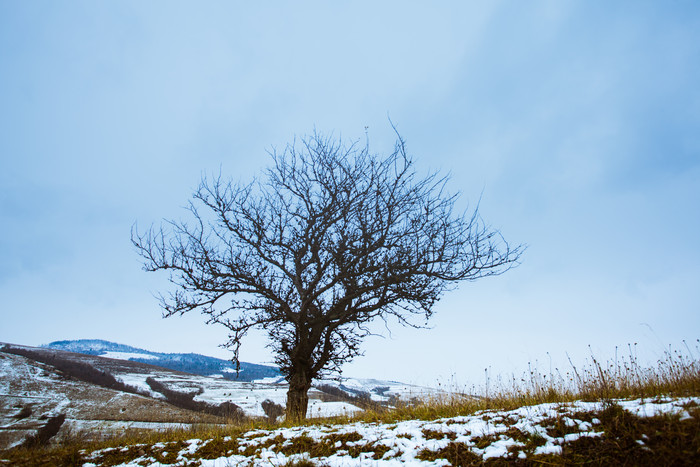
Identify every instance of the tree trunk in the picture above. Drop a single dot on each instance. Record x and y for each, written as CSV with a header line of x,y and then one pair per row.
x,y
298,396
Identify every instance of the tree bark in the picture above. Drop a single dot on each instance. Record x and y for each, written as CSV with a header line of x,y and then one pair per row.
x,y
298,396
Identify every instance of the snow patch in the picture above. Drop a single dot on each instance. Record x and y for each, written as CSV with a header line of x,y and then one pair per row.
x,y
127,356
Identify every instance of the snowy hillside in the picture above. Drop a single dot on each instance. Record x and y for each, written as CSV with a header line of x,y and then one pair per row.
x,y
33,393
129,394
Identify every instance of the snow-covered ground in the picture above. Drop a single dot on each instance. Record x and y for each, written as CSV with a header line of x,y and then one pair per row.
x,y
248,396
30,379
319,408
487,434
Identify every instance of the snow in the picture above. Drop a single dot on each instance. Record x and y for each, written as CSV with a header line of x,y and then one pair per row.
x,y
127,355
217,390
651,408
114,426
401,442
138,381
406,439
270,380
318,408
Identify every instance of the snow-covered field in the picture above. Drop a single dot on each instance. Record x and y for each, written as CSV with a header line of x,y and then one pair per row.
x,y
250,395
487,434
378,390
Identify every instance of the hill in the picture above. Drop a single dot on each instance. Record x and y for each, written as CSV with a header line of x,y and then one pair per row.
x,y
186,362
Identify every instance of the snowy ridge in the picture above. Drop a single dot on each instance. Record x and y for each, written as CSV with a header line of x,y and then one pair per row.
x,y
129,356
186,362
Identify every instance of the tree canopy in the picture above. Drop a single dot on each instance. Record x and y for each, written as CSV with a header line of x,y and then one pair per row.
x,y
330,238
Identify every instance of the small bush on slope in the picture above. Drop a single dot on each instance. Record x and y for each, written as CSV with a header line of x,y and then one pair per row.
x,y
46,432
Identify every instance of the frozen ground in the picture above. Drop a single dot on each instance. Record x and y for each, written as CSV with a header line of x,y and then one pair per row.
x,y
23,377
250,395
488,434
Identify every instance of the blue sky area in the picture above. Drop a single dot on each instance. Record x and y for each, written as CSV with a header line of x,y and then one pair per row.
x,y
577,122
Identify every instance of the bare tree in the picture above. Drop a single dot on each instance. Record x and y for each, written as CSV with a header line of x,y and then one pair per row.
x,y
329,239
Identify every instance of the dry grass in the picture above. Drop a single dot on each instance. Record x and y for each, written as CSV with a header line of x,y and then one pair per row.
x,y
677,373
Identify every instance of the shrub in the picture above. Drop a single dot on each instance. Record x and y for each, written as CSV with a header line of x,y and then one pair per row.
x,y
46,432
272,410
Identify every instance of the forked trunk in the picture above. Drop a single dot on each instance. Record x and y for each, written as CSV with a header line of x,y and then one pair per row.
x,y
298,396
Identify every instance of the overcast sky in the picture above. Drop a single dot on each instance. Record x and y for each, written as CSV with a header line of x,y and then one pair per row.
x,y
578,123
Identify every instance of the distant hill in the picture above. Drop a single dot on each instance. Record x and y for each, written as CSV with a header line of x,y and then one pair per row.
x,y
189,363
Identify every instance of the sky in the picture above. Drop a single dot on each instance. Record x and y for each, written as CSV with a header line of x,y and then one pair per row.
x,y
577,123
